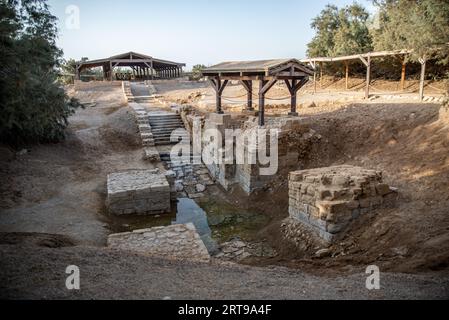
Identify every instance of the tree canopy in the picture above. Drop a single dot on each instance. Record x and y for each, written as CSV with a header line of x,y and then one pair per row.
x,y
34,106
340,31
419,25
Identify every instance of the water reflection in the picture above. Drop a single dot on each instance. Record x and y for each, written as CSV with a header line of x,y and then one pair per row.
x,y
189,211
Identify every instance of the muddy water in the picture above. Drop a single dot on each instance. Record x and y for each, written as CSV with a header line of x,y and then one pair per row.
x,y
216,220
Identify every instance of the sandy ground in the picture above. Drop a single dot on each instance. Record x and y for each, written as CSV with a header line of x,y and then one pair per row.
x,y
39,273
403,138
59,190
330,93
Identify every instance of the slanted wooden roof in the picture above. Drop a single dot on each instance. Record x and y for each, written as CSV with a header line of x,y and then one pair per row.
x,y
258,67
130,59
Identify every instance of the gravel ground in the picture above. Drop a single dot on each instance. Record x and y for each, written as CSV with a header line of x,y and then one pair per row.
x,y
33,272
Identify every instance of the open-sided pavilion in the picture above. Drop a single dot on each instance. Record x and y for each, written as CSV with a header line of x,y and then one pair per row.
x,y
144,67
366,59
266,72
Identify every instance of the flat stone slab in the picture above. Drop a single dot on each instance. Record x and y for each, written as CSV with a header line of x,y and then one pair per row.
x,y
179,242
138,192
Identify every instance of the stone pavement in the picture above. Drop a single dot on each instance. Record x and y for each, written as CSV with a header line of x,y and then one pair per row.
x,y
179,242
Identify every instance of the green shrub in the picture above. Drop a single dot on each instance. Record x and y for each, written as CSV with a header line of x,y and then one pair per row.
x,y
34,106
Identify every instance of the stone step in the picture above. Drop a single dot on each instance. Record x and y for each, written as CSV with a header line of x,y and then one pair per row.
x,y
163,126
165,119
153,115
162,123
172,127
170,131
165,129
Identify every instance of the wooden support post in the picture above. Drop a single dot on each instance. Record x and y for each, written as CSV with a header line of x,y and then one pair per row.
x,y
421,79
293,89
261,103
264,86
77,73
347,75
314,80
248,85
110,70
218,87
249,99
403,74
321,75
368,77
152,69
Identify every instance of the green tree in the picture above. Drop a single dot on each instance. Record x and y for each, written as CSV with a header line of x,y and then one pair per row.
x,y
411,24
34,106
196,71
340,32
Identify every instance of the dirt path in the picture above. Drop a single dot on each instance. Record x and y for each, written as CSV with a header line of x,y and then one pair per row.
x,y
108,274
60,188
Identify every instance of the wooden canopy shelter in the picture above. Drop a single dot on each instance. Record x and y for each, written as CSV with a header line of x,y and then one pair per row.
x,y
366,59
144,67
267,72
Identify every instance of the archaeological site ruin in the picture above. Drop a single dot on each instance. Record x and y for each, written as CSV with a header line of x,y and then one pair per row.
x,y
256,168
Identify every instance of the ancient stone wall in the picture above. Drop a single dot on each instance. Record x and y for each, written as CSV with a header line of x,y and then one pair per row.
x,y
138,192
248,174
328,199
80,85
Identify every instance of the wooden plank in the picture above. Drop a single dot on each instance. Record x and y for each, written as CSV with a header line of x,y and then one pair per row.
x,y
248,85
368,77
293,91
364,61
222,86
403,74
289,86
268,86
422,77
321,75
300,84
213,84
357,56
347,75
262,84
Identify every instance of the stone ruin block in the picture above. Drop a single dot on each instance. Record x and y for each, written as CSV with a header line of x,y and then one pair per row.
x,y
179,241
151,154
328,199
138,192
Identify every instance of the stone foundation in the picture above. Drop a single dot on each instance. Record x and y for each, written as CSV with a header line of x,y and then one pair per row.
x,y
138,192
180,242
328,199
247,175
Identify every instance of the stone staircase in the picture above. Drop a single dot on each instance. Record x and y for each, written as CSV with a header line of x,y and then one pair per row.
x,y
162,126
141,92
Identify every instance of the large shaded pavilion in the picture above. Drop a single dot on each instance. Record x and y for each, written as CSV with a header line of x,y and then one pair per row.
x,y
267,72
144,67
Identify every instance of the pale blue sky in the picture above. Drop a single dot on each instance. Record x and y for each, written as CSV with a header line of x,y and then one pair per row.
x,y
191,31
